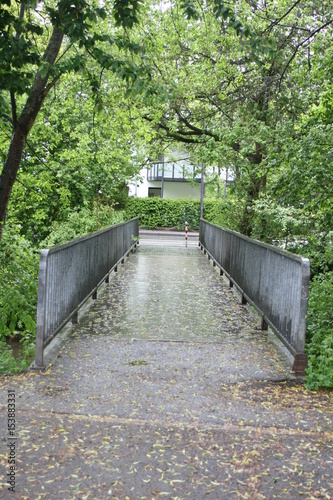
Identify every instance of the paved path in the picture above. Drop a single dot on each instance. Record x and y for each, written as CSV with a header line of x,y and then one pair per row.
x,y
168,389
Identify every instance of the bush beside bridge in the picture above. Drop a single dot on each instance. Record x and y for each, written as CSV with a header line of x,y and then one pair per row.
x,y
169,213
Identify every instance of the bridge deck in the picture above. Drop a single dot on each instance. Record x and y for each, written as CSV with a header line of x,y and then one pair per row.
x,y
168,389
169,293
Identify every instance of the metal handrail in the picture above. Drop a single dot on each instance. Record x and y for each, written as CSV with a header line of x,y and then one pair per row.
x,y
71,273
274,281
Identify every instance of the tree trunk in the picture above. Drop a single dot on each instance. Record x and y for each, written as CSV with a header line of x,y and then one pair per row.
x,y
37,95
9,172
255,185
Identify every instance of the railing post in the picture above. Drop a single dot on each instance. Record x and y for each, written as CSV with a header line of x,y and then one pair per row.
x,y
300,364
263,324
41,310
75,318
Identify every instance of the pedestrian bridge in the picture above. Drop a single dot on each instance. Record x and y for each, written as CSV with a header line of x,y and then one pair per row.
x,y
166,386
163,288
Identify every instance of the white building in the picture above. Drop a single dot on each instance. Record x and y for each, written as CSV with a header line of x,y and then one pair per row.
x,y
171,178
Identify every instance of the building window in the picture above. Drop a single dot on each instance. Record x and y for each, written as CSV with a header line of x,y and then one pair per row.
x,y
154,192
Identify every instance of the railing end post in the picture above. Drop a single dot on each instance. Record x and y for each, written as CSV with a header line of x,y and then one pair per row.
x,y
300,364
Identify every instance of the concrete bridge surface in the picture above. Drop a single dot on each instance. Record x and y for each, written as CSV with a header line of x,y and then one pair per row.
x,y
167,389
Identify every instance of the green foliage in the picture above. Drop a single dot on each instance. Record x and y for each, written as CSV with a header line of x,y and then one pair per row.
x,y
320,333
126,12
221,11
18,285
172,213
17,51
272,222
80,222
163,212
78,152
318,248
226,212
18,300
18,363
304,167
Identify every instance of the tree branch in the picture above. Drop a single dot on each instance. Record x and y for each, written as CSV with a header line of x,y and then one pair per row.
x,y
300,45
277,21
174,135
8,118
14,110
50,85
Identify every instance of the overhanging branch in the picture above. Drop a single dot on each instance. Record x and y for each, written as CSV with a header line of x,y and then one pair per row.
x,y
300,45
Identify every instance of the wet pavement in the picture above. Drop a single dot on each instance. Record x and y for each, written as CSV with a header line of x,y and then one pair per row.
x,y
168,389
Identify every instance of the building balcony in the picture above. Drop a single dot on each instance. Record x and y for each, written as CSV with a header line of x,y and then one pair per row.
x,y
172,172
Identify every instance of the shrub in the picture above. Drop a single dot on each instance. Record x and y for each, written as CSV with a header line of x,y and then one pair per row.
x,y
18,299
81,222
226,212
164,212
320,333
172,213
319,249
271,221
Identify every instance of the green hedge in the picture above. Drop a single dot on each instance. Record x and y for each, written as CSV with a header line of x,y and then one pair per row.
x,y
172,213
